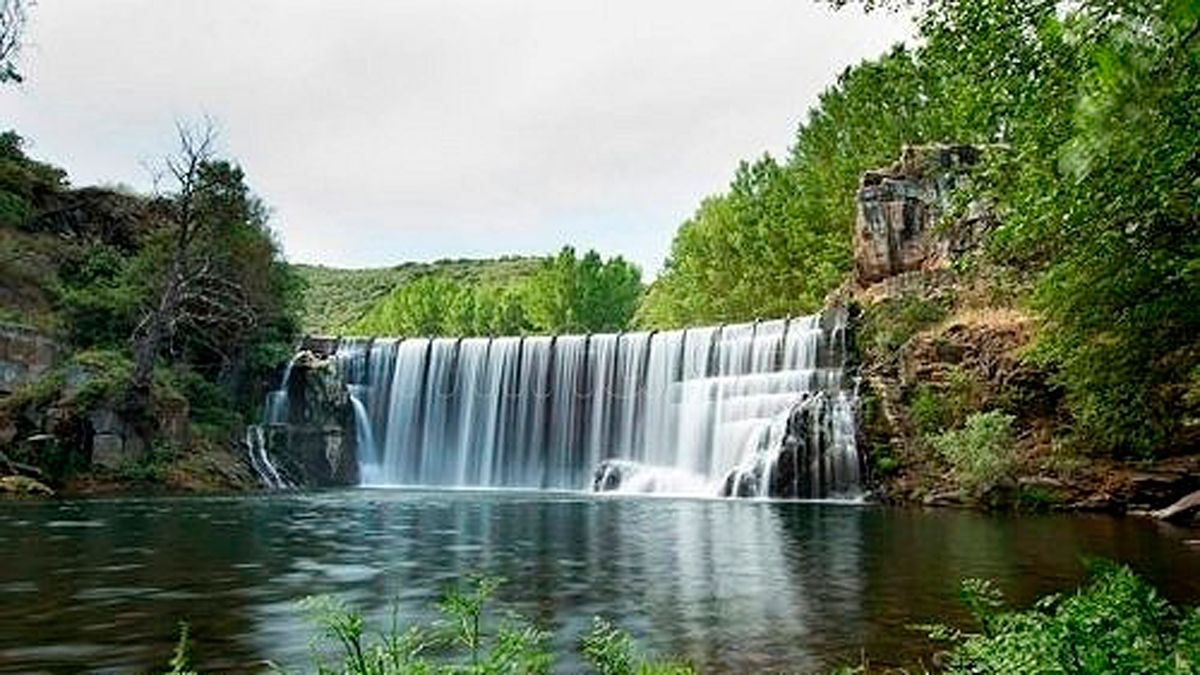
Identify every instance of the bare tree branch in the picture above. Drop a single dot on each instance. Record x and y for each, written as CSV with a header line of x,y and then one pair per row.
x,y
13,17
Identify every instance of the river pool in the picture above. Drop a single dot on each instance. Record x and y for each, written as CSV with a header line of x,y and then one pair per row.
x,y
735,586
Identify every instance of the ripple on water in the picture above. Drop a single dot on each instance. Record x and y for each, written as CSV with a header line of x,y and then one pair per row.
x,y
74,524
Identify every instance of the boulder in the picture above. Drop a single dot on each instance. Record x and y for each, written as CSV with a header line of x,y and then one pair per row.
x,y
24,486
315,443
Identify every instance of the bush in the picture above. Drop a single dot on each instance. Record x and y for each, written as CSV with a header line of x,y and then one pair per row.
x,y
1115,624
982,453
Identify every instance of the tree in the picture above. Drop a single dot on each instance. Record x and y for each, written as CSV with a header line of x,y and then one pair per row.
x,y
218,287
588,295
13,17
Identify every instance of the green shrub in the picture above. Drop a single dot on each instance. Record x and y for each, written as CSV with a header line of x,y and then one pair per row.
x,y
928,410
1115,624
109,372
982,453
888,325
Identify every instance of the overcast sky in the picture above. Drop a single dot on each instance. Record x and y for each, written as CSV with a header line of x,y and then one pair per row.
x,y
391,130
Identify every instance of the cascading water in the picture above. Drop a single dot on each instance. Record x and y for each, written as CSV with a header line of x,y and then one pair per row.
x,y
274,412
746,410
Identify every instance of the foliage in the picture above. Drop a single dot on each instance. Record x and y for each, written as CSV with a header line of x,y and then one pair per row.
x,y
937,408
24,182
336,300
565,294
89,266
779,240
589,295
611,651
1117,624
1097,104
982,453
436,305
888,325
461,643
181,660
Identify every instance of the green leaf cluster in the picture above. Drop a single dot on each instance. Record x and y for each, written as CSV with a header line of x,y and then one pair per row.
x,y
564,294
982,453
1097,106
1115,624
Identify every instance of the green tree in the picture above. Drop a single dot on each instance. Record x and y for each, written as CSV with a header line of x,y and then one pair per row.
x,y
588,295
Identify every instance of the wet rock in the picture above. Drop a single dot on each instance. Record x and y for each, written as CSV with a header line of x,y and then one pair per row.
x,y
315,445
610,474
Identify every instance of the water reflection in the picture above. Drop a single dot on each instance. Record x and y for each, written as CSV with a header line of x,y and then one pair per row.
x,y
734,586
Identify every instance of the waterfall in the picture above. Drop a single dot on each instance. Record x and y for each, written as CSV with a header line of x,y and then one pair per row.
x,y
758,409
275,411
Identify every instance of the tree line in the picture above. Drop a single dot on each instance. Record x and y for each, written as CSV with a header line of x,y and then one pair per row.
x,y
567,293
1097,104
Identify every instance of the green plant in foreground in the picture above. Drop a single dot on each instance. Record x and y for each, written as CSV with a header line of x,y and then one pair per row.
x,y
461,643
611,651
1117,623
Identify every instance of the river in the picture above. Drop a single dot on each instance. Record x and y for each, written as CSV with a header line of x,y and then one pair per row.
x,y
733,585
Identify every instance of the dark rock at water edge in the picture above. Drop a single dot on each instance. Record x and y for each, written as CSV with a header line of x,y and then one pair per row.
x,y
314,445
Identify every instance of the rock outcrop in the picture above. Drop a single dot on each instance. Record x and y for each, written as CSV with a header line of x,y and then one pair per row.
x,y
314,443
899,208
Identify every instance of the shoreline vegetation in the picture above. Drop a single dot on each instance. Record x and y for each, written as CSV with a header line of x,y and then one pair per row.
x,y
1114,623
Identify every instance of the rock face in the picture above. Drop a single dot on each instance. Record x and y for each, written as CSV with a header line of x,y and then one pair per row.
x,y
899,208
25,355
315,443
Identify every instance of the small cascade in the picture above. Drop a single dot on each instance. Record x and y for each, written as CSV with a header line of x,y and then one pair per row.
x,y
275,411
256,445
749,410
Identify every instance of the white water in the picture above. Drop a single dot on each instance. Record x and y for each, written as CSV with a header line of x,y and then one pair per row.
x,y
275,411
683,411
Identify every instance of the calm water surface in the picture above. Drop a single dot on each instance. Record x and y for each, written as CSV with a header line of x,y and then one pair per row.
x,y
735,586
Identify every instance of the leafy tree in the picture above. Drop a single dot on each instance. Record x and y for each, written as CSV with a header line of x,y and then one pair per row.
x,y
588,295
219,297
565,294
779,239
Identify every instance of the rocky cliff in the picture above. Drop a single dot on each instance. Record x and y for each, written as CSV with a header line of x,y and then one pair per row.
x,y
944,342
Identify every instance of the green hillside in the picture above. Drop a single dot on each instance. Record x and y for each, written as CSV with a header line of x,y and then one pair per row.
x,y
337,298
